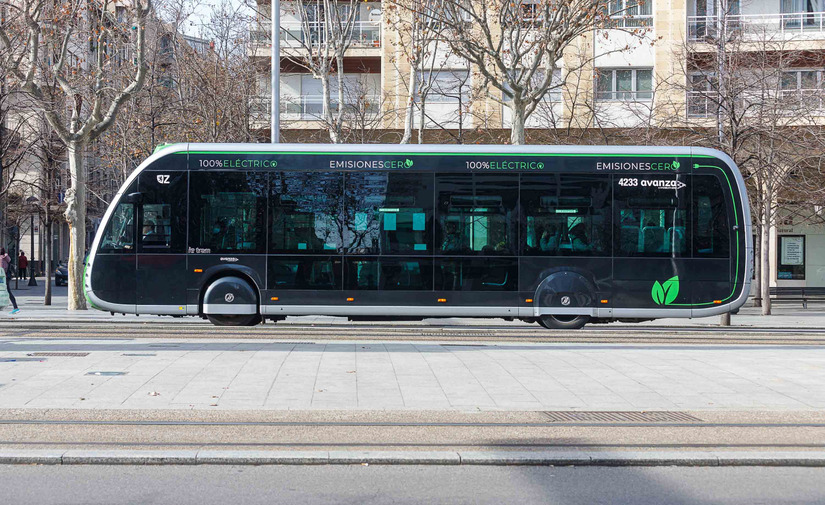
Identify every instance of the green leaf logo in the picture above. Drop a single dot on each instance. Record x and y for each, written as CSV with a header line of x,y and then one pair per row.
x,y
665,294
675,165
657,293
408,163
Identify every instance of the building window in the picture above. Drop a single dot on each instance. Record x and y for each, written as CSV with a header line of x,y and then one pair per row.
x,y
791,264
448,86
624,84
630,13
804,88
702,95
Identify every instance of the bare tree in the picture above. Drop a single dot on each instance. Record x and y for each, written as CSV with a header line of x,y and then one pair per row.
x,y
319,46
516,46
80,98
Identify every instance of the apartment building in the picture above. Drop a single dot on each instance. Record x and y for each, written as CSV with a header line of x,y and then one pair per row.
x,y
652,64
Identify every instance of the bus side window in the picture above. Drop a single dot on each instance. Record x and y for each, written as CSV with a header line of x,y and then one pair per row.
x,y
388,212
565,215
227,212
476,214
119,235
305,212
156,225
711,231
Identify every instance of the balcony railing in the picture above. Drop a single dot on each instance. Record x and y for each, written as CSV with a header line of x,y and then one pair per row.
x,y
800,102
806,24
624,96
311,107
364,34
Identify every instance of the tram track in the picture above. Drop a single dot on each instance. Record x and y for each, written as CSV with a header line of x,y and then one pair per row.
x,y
731,434
295,334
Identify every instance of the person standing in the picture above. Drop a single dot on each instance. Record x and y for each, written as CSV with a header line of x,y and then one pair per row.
x,y
22,264
5,261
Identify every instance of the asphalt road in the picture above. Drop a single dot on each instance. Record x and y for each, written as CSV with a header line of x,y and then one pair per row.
x,y
361,485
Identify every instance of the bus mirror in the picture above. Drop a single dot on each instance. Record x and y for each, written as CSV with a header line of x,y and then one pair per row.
x,y
136,198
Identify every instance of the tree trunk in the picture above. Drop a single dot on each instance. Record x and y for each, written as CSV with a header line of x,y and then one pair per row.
x,y
517,120
410,109
757,267
76,216
765,256
422,117
327,105
47,257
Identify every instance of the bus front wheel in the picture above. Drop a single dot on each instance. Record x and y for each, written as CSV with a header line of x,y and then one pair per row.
x,y
563,322
234,319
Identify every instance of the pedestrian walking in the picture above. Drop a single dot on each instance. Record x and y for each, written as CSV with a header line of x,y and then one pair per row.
x,y
5,261
22,264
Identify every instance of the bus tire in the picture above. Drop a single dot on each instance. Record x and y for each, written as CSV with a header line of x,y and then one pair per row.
x,y
563,322
234,319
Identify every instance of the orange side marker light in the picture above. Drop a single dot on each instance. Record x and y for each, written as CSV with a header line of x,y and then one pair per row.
x,y
198,270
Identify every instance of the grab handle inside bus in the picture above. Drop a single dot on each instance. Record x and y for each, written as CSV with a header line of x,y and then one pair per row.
x,y
136,198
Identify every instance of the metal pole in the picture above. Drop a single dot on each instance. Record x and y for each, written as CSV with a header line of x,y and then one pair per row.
x,y
275,108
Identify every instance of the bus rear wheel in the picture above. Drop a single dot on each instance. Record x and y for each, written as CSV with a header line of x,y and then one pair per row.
x,y
563,322
234,319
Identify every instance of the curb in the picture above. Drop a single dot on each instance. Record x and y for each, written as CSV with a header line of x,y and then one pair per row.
x,y
494,458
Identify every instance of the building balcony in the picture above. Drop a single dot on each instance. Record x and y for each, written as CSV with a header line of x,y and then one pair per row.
x,y
801,103
791,26
311,108
366,38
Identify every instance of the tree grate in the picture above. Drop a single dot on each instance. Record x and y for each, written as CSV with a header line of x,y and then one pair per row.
x,y
620,417
60,354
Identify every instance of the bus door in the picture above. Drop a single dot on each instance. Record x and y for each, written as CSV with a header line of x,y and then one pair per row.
x,y
651,241
716,264
161,238
113,274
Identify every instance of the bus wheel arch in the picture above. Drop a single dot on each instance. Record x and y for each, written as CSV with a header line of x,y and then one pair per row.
x,y
565,289
231,298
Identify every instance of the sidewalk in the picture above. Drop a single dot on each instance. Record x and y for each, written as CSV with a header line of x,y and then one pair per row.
x,y
238,374
30,299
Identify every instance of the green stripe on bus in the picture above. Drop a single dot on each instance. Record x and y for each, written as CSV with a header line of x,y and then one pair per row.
x,y
354,153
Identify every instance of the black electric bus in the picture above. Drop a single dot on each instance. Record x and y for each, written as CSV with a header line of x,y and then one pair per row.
x,y
558,235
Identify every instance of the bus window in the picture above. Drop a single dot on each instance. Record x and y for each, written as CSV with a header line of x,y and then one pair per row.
x,y
565,215
476,274
651,218
227,212
156,226
392,274
305,273
476,214
388,213
119,236
162,213
305,211
711,231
